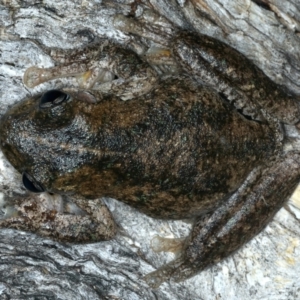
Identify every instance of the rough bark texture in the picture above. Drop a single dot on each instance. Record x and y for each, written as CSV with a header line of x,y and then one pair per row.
x,y
35,268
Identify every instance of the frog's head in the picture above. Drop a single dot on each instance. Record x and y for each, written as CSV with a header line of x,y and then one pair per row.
x,y
38,135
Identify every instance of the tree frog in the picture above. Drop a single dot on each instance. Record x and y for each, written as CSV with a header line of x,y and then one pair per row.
x,y
205,143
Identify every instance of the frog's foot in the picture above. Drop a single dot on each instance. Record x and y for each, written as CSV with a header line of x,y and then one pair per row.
x,y
34,76
164,273
119,71
85,77
159,55
162,244
58,218
179,269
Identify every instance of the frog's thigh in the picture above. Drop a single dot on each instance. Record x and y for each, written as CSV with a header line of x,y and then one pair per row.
x,y
235,222
235,76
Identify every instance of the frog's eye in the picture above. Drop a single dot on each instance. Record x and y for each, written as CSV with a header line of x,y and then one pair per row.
x,y
31,184
53,98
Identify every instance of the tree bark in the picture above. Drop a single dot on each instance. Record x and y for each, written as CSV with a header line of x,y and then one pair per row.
x,y
267,32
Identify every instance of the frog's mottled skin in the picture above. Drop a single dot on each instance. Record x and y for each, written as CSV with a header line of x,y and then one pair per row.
x,y
175,150
174,153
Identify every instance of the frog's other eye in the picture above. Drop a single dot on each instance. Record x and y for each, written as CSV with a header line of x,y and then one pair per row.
x,y
53,98
31,184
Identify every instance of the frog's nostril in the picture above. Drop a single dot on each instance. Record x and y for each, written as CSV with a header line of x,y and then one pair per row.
x,y
53,98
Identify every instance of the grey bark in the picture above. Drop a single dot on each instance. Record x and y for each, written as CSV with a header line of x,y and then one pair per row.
x,y
267,32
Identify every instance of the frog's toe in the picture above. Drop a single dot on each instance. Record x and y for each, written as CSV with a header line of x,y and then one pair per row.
x,y
166,272
162,244
33,76
156,278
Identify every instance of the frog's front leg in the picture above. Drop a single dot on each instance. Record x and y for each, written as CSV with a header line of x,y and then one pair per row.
x,y
239,219
68,63
56,217
134,77
109,69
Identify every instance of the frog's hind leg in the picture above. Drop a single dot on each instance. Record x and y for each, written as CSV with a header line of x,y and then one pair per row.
x,y
234,76
235,222
215,64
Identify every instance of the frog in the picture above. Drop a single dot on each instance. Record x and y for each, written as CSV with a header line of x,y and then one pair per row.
x,y
205,143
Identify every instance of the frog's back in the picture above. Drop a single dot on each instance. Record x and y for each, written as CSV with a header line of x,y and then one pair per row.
x,y
175,152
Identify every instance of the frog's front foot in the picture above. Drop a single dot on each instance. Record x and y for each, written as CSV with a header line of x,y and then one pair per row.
x,y
59,218
34,76
86,78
